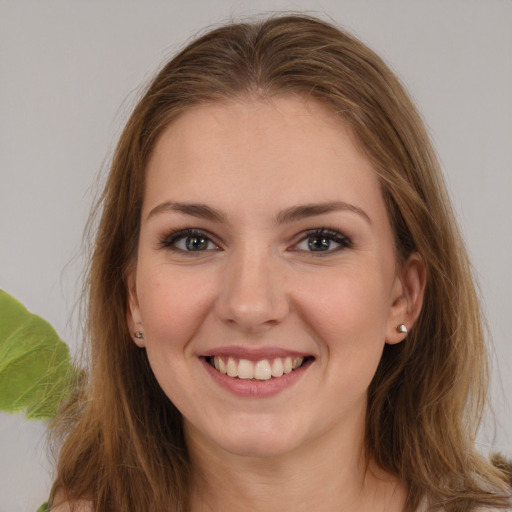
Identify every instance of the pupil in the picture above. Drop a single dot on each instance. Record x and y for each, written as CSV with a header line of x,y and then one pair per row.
x,y
196,243
318,244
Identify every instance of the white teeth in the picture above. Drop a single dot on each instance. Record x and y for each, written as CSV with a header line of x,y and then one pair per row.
x,y
245,369
220,365
297,362
262,370
277,367
232,368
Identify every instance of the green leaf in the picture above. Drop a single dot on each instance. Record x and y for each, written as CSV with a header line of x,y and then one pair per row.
x,y
36,373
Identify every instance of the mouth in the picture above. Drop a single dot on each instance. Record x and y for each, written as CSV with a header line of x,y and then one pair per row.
x,y
261,370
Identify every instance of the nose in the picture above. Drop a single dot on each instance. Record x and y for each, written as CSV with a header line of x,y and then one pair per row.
x,y
252,296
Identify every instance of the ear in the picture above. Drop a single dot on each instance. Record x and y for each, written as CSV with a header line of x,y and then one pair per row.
x,y
133,316
407,299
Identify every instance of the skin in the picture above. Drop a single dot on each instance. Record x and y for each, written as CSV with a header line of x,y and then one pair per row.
x,y
257,284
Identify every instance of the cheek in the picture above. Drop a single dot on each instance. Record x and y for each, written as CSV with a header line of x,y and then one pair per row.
x,y
173,304
349,313
350,322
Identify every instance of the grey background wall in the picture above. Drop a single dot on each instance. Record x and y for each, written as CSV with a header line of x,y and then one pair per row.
x,y
69,72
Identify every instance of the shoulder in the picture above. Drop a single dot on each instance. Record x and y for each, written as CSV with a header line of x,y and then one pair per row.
x,y
83,506
424,508
76,506
59,503
493,509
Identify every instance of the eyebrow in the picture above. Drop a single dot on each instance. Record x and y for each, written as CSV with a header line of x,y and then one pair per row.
x,y
199,210
292,214
311,210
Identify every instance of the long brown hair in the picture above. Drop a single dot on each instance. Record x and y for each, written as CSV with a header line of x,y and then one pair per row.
x,y
124,447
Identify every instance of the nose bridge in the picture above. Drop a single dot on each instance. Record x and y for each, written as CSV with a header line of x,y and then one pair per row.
x,y
252,294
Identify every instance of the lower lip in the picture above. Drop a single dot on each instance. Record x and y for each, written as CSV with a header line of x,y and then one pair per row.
x,y
256,388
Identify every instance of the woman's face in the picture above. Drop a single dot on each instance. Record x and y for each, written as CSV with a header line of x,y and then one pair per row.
x,y
265,284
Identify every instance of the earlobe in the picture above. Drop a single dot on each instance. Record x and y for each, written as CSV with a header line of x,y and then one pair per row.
x,y
133,316
408,299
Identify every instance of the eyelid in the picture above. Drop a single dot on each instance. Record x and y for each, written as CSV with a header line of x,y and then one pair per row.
x,y
169,240
336,236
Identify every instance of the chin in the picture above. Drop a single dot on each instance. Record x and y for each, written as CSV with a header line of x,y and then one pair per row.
x,y
258,446
266,440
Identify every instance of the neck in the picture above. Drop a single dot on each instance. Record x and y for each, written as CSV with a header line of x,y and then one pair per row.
x,y
317,478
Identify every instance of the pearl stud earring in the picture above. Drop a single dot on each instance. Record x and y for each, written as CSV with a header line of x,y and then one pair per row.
x,y
401,328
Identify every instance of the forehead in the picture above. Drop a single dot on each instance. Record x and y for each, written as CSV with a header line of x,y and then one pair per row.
x,y
261,153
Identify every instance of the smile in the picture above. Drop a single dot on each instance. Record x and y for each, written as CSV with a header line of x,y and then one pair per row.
x,y
264,369
259,373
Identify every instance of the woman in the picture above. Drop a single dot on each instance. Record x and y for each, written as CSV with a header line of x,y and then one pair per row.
x,y
281,310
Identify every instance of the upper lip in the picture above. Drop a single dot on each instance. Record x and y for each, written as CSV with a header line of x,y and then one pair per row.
x,y
253,354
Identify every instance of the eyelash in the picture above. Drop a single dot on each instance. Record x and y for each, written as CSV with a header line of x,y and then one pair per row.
x,y
330,235
169,241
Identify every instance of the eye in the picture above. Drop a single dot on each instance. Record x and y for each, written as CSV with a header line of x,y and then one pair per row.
x,y
189,240
323,241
